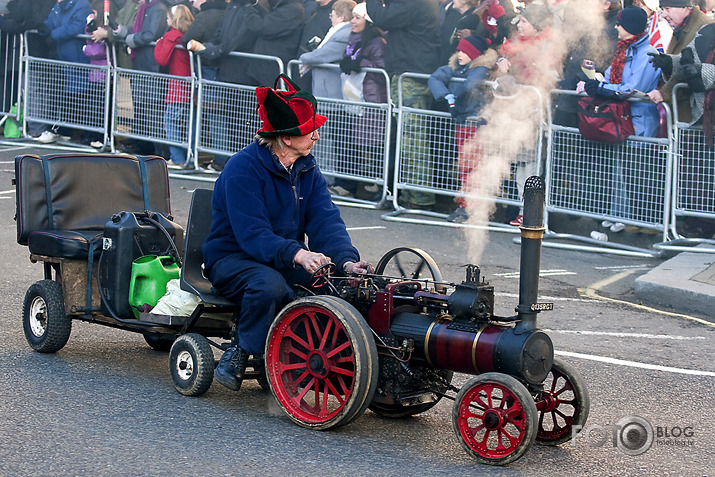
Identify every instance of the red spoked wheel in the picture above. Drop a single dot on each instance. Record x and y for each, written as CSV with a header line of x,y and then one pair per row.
x,y
321,361
563,404
495,418
321,276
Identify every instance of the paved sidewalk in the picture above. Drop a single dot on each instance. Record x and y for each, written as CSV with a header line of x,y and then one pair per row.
x,y
685,282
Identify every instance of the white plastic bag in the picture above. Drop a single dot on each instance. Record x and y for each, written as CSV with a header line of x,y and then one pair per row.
x,y
176,302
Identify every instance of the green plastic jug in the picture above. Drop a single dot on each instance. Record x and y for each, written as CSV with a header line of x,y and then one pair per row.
x,y
150,274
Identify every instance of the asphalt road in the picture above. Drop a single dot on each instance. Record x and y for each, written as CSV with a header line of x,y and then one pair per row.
x,y
105,403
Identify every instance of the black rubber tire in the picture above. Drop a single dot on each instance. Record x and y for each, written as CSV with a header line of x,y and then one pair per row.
x,y
398,411
358,351
191,364
409,270
468,424
158,342
259,366
573,405
48,330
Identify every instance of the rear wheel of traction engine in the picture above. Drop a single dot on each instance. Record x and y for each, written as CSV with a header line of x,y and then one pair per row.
x,y
398,411
191,363
158,342
321,362
494,417
563,404
410,263
47,327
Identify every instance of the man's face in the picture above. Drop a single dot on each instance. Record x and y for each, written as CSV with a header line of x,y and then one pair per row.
x,y
675,16
302,144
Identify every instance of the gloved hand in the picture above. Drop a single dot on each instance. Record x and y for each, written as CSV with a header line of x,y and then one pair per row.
x,y
449,97
691,75
662,61
348,65
358,268
591,87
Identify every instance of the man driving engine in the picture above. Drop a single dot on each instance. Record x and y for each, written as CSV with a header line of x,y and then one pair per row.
x,y
267,201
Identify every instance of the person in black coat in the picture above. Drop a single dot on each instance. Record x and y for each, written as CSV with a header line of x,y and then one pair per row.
x,y
277,26
317,24
203,28
412,46
21,16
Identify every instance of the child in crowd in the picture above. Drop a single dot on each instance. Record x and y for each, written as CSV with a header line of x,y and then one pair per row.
x,y
96,51
472,62
178,95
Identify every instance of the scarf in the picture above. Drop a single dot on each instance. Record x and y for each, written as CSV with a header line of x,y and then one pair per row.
x,y
139,22
331,32
619,59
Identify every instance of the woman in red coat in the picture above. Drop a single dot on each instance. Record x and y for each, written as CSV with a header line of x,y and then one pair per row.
x,y
178,95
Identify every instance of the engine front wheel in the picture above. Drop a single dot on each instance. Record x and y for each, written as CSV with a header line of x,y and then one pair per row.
x,y
494,417
563,404
47,327
321,362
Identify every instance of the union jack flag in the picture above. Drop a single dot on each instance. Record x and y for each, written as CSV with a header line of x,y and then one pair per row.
x,y
654,34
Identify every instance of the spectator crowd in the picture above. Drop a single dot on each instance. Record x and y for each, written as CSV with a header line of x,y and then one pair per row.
x,y
644,45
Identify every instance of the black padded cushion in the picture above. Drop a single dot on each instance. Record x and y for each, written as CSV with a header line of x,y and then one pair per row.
x,y
79,193
64,243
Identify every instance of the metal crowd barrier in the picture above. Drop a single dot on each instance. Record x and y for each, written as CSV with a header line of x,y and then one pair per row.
x,y
427,138
139,107
60,93
11,51
226,115
693,191
628,183
354,142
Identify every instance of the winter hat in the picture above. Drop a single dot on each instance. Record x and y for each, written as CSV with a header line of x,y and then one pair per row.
x,y
538,15
676,3
633,20
361,11
287,113
473,46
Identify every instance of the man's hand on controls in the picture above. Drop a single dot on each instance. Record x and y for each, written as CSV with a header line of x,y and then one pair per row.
x,y
310,261
358,268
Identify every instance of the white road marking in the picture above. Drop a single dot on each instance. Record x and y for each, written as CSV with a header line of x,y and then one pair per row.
x,y
374,227
549,298
625,267
634,364
543,273
11,191
626,335
13,149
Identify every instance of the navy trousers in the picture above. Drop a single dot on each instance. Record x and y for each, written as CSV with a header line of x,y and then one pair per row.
x,y
259,290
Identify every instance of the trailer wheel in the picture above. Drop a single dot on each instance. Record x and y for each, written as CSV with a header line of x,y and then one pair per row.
x,y
494,417
191,363
321,362
410,263
158,342
47,327
563,404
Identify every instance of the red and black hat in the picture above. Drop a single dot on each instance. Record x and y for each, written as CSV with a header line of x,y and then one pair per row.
x,y
287,113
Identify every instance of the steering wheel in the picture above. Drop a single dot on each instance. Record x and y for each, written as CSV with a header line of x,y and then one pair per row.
x,y
321,276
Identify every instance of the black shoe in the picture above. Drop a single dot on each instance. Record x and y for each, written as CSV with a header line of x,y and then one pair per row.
x,y
231,368
458,216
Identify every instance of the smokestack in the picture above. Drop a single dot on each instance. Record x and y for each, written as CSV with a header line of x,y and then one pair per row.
x,y
532,233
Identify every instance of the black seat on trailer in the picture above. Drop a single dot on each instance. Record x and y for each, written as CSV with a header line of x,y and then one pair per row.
x,y
64,201
197,229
